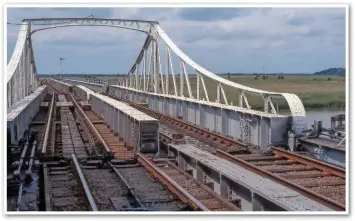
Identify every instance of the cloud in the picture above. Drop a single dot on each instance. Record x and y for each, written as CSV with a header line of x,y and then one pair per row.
x,y
219,39
209,14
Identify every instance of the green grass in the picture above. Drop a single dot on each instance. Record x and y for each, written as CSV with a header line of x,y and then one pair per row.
x,y
314,91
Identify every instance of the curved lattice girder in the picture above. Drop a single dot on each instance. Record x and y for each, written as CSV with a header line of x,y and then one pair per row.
x,y
21,71
22,76
296,107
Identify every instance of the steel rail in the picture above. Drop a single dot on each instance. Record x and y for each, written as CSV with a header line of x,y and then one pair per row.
x,y
47,197
18,203
30,164
22,159
171,184
87,120
55,88
45,141
302,190
88,194
97,134
329,168
129,187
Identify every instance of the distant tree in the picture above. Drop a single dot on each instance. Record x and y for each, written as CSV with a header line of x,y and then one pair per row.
x,y
329,79
256,78
314,79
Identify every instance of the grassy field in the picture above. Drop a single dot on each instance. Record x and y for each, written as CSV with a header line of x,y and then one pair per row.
x,y
314,91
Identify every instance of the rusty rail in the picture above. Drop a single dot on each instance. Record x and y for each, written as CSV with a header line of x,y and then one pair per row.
x,y
337,171
97,134
88,194
45,141
171,184
302,190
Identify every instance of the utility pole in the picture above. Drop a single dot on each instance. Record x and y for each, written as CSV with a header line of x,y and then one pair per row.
x,y
61,68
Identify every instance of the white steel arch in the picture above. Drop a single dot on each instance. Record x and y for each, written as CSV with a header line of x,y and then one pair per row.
x,y
158,34
148,73
22,77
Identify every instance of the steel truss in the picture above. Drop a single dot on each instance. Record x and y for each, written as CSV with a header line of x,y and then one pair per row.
x,y
158,63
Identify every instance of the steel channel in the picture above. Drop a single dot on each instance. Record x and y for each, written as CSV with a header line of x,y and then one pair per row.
x,y
337,171
147,164
19,197
31,157
107,149
84,184
130,189
46,190
45,141
304,191
23,154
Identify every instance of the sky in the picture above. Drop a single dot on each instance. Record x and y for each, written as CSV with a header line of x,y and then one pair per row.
x,y
237,40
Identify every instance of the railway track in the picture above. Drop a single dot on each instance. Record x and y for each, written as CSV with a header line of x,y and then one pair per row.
x,y
152,195
22,178
62,189
129,187
309,177
319,181
121,187
201,195
312,178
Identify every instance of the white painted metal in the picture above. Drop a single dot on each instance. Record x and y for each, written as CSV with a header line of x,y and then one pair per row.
x,y
22,76
248,185
21,71
129,123
20,114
